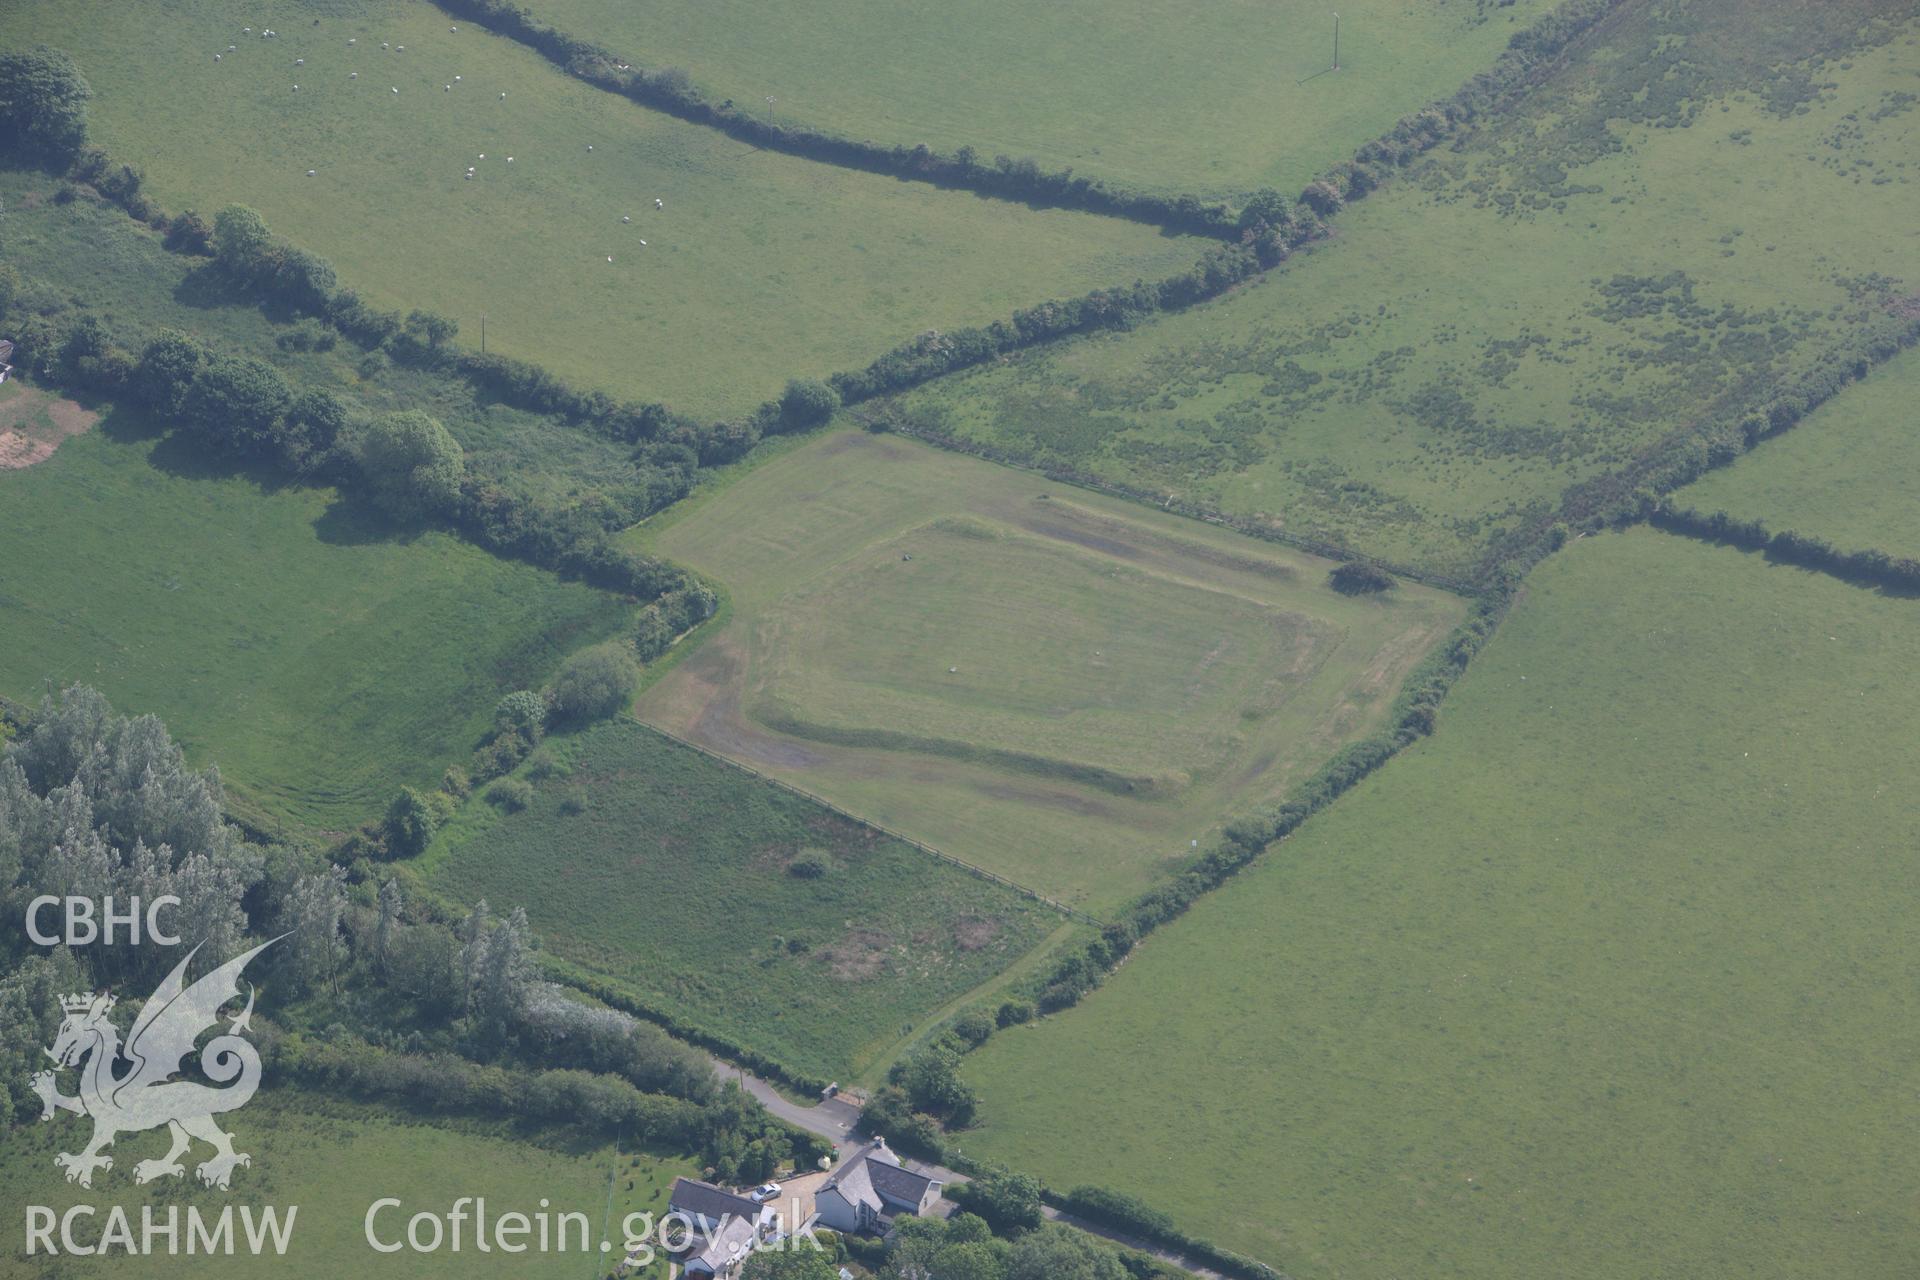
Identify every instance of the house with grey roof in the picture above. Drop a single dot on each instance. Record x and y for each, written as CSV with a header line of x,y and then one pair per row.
x,y
722,1255
869,1188
709,1208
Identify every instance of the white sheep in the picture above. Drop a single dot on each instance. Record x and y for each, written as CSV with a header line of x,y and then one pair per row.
x,y
299,62
454,30
659,203
509,159
296,88
311,172
352,41
246,31
643,244
609,257
216,57
503,95
447,87
456,79
400,48
396,88
353,75
626,218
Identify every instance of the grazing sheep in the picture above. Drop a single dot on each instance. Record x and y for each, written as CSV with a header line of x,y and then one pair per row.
x,y
456,79
509,159
589,146
232,47
659,203
350,40
396,88
299,62
503,95
216,57
353,75
311,172
447,87
625,218
296,88
609,257
643,244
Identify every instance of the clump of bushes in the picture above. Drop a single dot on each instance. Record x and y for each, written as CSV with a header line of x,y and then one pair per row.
x,y
593,684
1359,578
544,764
412,820
669,617
510,794
812,864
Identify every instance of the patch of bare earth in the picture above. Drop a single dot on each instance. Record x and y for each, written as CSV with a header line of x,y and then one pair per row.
x,y
32,425
970,933
861,954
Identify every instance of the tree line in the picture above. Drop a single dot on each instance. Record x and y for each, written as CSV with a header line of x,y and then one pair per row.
x,y
456,1016
1871,568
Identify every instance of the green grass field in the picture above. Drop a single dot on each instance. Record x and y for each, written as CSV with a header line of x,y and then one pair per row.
x,y
94,254
333,1159
1205,98
1845,474
318,658
668,872
1063,688
759,268
1640,247
1609,977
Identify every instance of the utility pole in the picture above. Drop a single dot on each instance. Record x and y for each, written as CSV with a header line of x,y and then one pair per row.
x,y
1336,42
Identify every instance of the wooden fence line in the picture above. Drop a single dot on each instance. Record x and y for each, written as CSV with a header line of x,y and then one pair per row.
x,y
870,824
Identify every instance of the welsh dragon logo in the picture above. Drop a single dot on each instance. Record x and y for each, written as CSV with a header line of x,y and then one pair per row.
x,y
144,1094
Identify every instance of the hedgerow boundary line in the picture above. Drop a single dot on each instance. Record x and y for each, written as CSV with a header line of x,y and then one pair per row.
x,y
1872,568
1072,913
1023,180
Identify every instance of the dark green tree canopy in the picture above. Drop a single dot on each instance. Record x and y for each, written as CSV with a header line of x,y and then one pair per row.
x,y
43,104
413,465
595,683
238,400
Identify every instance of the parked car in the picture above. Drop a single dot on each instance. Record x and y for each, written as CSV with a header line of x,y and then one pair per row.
x,y
765,1192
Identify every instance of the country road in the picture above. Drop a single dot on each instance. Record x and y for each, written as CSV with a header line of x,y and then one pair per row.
x,y
835,1120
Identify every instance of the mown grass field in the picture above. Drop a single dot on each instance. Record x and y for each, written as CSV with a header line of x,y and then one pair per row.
x,y
1063,688
1846,474
760,267
333,1159
320,657
670,873
1207,98
1710,200
1609,977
